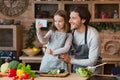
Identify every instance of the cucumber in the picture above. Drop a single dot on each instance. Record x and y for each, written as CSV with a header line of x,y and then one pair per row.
x,y
58,71
62,70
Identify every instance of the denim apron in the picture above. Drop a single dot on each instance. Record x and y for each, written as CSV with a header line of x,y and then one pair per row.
x,y
52,62
81,51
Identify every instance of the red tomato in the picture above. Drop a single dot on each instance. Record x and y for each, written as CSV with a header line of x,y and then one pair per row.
x,y
32,78
25,75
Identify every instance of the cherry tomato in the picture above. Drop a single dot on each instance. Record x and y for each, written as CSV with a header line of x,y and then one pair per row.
x,y
15,78
25,75
20,78
32,78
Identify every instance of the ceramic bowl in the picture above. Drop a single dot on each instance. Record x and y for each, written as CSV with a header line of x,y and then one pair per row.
x,y
31,52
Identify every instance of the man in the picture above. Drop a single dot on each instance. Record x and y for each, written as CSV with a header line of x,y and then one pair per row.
x,y
85,39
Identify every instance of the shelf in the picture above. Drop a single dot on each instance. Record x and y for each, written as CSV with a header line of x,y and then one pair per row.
x,y
68,5
103,11
46,9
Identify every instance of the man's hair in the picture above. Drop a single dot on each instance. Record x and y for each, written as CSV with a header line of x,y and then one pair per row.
x,y
83,13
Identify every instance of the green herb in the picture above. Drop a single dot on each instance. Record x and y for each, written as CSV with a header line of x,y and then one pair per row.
x,y
83,71
26,69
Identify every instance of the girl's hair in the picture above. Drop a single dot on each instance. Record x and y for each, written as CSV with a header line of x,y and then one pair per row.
x,y
63,14
83,13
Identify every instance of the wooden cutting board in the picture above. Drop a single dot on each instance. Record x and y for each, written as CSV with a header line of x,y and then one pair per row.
x,y
55,75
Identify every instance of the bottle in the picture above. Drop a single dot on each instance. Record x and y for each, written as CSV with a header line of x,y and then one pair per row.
x,y
115,14
103,15
11,56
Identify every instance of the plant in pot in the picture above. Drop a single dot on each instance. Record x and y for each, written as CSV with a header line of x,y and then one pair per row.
x,y
31,48
31,37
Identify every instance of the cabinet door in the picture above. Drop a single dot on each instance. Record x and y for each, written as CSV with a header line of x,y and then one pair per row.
x,y
105,11
45,9
69,4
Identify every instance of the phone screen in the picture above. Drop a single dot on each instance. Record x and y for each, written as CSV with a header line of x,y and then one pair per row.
x,y
42,21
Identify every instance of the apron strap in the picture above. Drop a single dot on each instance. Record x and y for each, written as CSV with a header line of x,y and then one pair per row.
x,y
86,29
86,34
73,34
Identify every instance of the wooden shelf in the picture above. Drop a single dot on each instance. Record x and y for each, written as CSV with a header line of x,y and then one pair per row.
x,y
95,7
106,7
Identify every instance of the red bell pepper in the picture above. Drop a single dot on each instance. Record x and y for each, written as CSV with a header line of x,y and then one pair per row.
x,y
11,72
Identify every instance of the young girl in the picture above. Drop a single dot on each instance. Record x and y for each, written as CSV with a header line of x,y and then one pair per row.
x,y
58,41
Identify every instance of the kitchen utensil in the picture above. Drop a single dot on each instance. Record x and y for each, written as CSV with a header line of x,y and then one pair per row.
x,y
94,67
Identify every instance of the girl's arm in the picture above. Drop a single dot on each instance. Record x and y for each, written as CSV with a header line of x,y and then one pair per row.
x,y
42,39
66,46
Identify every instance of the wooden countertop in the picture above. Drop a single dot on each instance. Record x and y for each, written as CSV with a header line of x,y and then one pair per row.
x,y
72,76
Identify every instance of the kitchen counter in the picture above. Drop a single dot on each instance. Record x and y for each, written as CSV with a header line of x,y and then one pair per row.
x,y
30,59
72,76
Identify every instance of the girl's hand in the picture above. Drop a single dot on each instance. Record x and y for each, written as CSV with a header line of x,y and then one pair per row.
x,y
49,51
39,26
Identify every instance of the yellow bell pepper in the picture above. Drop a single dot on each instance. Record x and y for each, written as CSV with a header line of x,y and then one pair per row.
x,y
19,72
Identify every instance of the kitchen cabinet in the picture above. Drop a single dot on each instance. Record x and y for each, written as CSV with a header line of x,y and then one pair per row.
x,y
46,9
11,41
102,11
105,11
112,62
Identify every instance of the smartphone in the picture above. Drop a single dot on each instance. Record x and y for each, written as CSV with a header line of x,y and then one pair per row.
x,y
42,21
